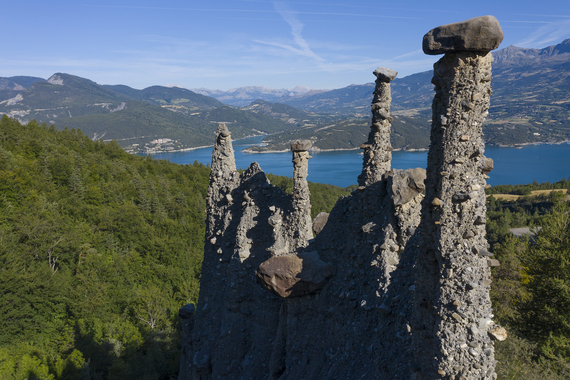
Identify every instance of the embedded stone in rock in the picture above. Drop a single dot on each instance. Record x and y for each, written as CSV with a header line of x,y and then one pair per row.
x,y
480,221
407,184
294,275
487,165
201,362
385,75
186,311
493,263
498,333
301,145
320,222
476,34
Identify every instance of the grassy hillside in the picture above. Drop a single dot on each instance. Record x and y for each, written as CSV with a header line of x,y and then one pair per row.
x,y
240,121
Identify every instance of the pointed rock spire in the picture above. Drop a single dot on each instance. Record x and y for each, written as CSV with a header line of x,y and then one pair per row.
x,y
378,150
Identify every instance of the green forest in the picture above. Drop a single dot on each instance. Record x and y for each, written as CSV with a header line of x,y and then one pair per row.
x,y
99,249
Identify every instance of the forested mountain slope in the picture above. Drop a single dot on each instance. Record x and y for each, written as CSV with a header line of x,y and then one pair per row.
x,y
98,251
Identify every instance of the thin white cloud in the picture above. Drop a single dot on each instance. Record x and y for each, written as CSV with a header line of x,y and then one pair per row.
x,y
290,48
410,54
536,15
217,10
296,25
548,34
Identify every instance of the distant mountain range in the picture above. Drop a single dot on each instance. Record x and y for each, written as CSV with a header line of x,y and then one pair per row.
x,y
243,96
530,103
141,120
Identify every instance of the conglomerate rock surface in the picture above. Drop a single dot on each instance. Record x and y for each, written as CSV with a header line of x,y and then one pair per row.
x,y
396,283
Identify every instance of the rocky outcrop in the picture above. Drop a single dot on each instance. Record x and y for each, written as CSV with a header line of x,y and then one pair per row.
x,y
395,285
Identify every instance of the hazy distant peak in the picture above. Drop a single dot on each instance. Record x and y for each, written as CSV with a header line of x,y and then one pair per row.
x,y
174,86
300,89
242,96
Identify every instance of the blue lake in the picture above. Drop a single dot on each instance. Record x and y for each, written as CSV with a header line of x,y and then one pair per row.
x,y
341,168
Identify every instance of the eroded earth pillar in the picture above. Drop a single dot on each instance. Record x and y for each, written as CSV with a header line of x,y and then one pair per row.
x,y
452,308
378,150
301,213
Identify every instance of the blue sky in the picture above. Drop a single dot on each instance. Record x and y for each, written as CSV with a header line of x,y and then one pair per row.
x,y
321,44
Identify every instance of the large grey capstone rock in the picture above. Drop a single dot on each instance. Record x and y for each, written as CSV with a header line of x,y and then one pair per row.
x,y
476,34
385,75
406,185
301,145
294,275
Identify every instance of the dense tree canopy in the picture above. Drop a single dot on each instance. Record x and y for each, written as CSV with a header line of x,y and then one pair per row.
x,y
98,251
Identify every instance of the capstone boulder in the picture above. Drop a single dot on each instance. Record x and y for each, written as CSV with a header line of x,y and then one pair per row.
x,y
476,34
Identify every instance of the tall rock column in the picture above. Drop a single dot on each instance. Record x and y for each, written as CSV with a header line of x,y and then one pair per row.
x,y
300,219
223,173
377,150
453,308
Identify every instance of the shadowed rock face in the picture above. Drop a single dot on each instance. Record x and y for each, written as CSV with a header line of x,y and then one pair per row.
x,y
396,283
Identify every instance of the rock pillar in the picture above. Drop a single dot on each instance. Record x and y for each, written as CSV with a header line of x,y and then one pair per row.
x,y
301,213
452,308
377,150
223,171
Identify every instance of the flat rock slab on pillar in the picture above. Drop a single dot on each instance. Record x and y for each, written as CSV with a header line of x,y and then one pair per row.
x,y
476,34
301,145
385,75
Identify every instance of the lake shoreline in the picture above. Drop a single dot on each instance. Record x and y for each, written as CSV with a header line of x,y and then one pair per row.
x,y
543,162
318,150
